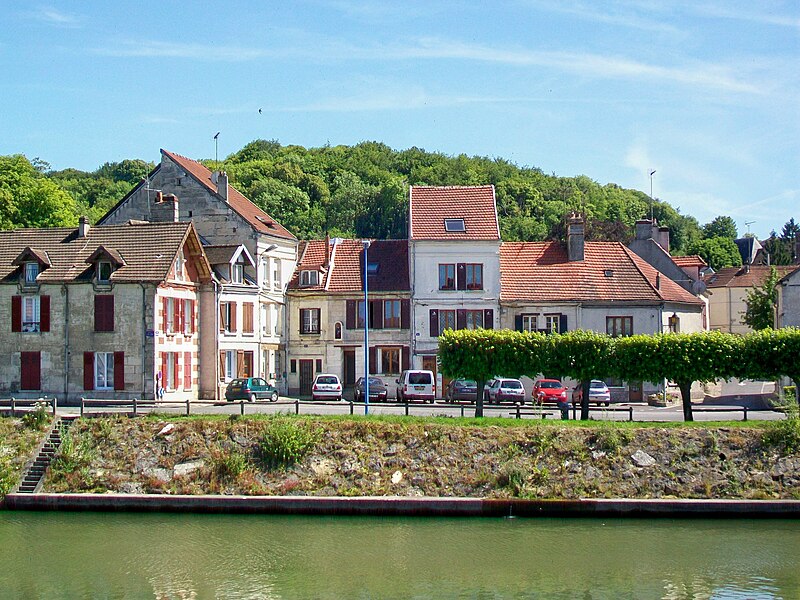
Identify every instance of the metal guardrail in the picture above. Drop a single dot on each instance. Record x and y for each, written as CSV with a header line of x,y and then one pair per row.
x,y
15,405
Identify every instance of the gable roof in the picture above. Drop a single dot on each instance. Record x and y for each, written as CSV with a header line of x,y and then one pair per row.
x,y
755,275
347,271
693,260
431,205
541,272
148,251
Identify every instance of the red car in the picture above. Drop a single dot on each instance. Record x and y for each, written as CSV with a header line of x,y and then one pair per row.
x,y
549,390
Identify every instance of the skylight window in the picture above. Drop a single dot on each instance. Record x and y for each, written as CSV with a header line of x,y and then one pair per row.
x,y
454,225
372,268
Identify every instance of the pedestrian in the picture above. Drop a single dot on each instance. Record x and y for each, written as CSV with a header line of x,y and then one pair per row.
x,y
159,387
563,406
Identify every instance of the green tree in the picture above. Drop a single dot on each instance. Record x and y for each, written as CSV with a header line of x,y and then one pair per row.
x,y
761,301
771,353
718,252
28,199
721,226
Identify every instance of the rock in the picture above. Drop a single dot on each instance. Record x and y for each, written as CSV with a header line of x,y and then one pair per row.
x,y
323,467
189,466
166,430
391,450
397,477
163,475
642,459
130,487
598,454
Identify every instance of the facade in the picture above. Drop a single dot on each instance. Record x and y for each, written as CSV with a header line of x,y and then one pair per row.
x,y
181,189
788,307
104,312
454,252
327,311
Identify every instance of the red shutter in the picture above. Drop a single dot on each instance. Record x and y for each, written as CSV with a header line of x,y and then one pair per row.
x,y
104,313
434,322
88,370
44,313
164,382
119,370
376,309
488,318
232,325
405,314
461,276
406,358
373,360
30,371
164,317
461,319
174,370
16,313
187,370
350,315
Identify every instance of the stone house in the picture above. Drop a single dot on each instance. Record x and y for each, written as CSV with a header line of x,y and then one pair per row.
x,y
454,248
182,189
104,312
788,306
327,311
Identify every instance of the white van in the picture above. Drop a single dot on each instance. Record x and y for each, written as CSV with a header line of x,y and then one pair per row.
x,y
416,385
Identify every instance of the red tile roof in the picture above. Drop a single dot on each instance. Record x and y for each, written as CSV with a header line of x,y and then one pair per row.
x,y
347,274
610,272
259,220
743,277
430,206
692,260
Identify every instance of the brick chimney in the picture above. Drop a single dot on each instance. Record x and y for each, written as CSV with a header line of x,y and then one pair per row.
x,y
662,238
575,238
165,209
83,227
222,185
644,229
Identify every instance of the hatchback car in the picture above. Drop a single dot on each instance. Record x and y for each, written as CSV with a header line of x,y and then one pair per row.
x,y
598,393
326,386
377,390
250,388
416,385
503,389
549,390
462,389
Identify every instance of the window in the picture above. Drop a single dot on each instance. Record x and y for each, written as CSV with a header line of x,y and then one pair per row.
x,y
319,370
169,307
30,314
337,330
308,278
529,322
551,323
447,277
474,319
309,320
455,225
276,274
391,315
447,320
31,272
361,314
244,363
619,326
104,313
372,268
180,274
169,361
104,370
188,316
227,364
30,371
103,272
237,272
227,317
390,360
247,317
265,272
474,275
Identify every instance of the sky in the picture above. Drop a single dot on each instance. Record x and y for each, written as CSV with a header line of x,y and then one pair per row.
x,y
706,93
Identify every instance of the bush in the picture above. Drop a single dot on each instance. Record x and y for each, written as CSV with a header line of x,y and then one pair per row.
x,y
785,434
228,467
37,417
285,442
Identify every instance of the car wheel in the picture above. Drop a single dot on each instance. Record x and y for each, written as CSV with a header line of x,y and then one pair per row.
x,y
274,396
252,398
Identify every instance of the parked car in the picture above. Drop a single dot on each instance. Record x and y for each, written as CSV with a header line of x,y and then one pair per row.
x,y
505,389
462,389
598,393
250,388
549,390
326,385
377,390
416,385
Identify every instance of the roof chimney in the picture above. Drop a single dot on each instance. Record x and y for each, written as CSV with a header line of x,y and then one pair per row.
x,y
663,238
658,281
327,249
222,185
83,227
575,238
644,229
165,210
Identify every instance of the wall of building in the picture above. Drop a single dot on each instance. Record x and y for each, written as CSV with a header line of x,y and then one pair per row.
x,y
727,306
789,301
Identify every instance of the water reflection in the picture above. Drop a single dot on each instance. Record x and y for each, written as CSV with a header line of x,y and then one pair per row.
x,y
101,555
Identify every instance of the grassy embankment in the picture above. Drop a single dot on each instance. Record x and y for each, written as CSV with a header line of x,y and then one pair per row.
x,y
402,456
18,438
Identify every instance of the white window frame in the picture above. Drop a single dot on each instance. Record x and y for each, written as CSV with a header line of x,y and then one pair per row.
x,y
530,322
265,273
237,272
170,315
31,272
276,274
230,365
310,321
104,370
100,266
552,323
309,277
31,306
454,225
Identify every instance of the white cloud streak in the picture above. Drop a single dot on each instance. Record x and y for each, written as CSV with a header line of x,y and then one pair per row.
x,y
54,17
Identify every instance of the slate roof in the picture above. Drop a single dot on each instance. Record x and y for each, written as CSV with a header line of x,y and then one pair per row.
x,y
148,251
744,277
541,272
220,255
430,206
347,274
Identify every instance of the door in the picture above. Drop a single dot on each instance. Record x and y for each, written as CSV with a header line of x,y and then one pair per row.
x,y
634,391
349,367
306,376
429,364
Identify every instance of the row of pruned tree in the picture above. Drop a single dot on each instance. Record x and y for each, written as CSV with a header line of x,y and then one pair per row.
x,y
682,358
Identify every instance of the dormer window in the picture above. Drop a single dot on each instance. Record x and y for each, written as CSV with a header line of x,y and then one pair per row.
x,y
309,277
179,271
372,268
31,272
103,272
454,225
237,273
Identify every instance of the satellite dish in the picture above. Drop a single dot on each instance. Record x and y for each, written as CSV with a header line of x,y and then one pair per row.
x,y
699,287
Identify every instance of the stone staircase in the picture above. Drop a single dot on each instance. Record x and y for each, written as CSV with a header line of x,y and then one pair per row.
x,y
32,480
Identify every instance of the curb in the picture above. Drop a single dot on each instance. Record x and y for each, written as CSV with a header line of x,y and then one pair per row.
x,y
410,507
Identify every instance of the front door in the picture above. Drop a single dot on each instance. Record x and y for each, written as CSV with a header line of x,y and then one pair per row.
x,y
306,376
429,364
634,391
349,367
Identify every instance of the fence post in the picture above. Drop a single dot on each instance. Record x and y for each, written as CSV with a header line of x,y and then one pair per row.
x,y
82,399
13,407
54,403
351,407
518,413
630,413
462,411
745,412
297,407
406,407
134,407
187,407
241,406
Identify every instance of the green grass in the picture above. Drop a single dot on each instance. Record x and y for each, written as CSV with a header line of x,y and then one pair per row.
x,y
17,442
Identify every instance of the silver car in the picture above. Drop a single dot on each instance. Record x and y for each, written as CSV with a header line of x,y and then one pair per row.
x,y
326,385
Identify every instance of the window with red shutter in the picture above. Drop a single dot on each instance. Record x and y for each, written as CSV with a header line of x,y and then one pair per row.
x,y
104,313
88,370
44,314
16,313
30,371
187,370
119,370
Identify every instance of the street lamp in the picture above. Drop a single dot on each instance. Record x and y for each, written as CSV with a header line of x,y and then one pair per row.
x,y
366,244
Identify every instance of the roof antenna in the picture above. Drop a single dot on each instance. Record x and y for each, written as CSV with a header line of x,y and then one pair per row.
x,y
747,224
653,172
216,147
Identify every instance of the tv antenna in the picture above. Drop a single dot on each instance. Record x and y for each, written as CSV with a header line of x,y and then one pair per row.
x,y
653,172
216,147
747,224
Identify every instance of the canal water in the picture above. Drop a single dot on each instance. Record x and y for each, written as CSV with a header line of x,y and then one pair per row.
x,y
106,555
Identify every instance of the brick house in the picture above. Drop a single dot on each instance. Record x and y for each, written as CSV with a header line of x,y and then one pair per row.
x,y
103,312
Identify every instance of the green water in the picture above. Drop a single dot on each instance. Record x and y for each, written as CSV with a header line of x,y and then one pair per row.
x,y
104,555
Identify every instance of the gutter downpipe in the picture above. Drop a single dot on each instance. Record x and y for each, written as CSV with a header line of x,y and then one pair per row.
x,y
65,289
216,339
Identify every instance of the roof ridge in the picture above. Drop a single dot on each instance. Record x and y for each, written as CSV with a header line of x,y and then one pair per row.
x,y
631,254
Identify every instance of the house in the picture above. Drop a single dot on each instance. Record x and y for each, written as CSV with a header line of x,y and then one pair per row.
x,y
727,294
454,247
327,311
101,312
788,305
182,189
651,243
598,286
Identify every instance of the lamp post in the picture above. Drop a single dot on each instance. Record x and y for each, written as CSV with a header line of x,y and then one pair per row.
x,y
366,244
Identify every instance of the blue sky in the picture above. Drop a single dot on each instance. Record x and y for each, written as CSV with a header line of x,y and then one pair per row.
x,y
707,93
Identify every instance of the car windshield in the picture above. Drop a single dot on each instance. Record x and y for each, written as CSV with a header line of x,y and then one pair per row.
x,y
466,383
598,385
419,378
375,381
550,384
514,385
238,382
328,379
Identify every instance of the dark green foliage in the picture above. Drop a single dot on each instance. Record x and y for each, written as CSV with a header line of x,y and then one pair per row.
x,y
761,300
285,442
721,226
29,199
718,252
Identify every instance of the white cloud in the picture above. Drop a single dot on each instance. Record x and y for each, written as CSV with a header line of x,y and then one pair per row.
x,y
763,15
617,14
54,17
